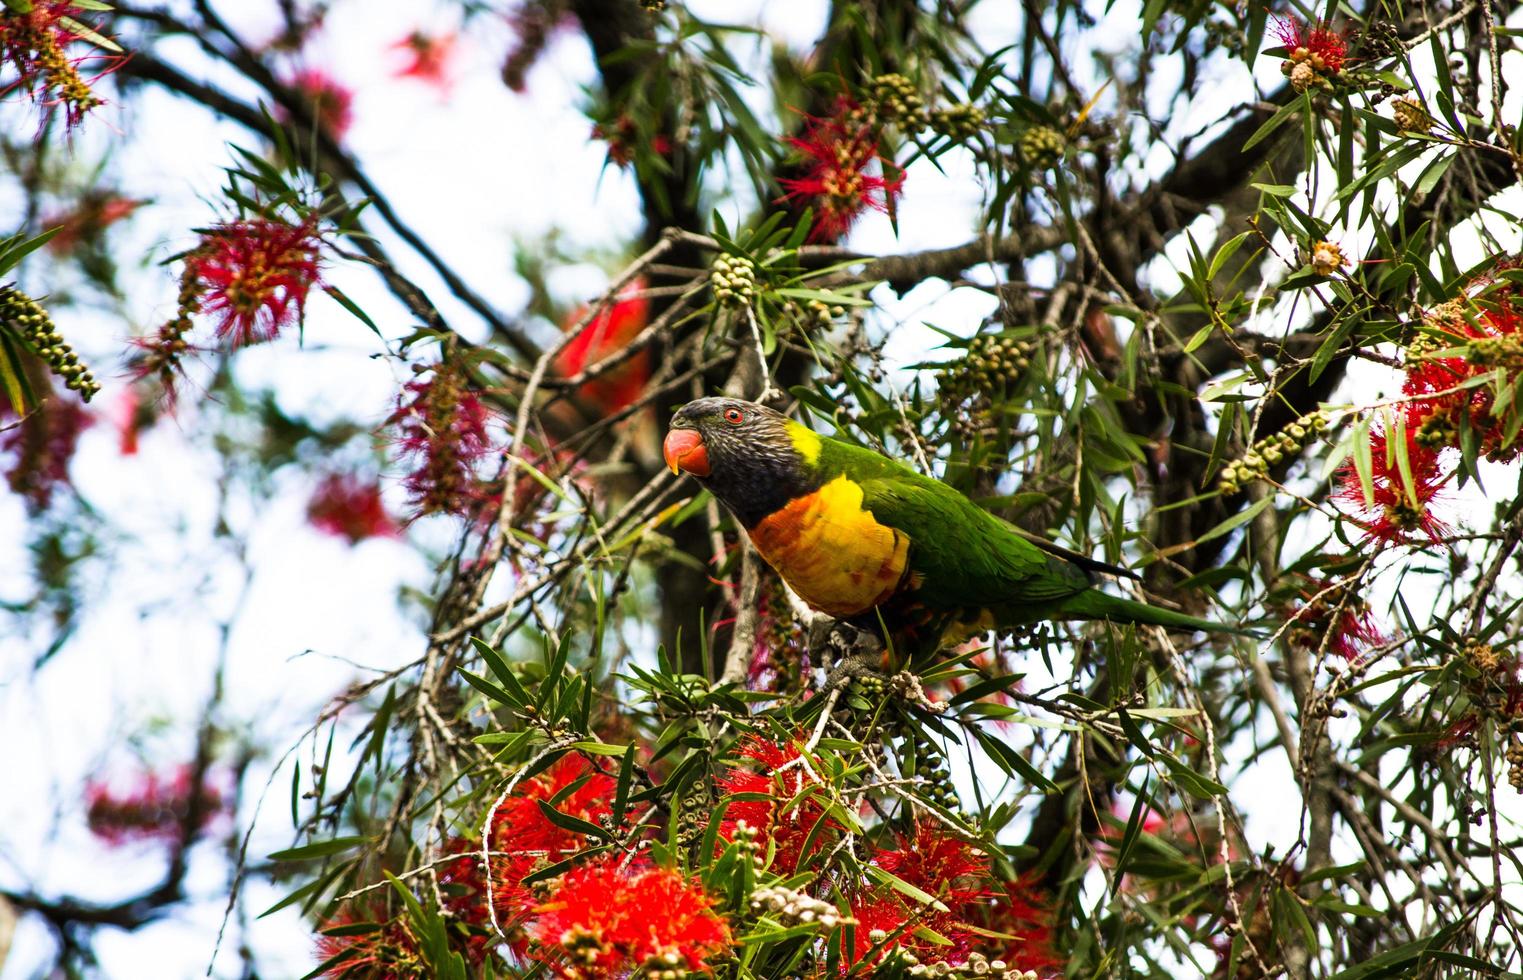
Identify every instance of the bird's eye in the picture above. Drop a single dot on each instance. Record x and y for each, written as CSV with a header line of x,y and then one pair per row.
x,y
734,416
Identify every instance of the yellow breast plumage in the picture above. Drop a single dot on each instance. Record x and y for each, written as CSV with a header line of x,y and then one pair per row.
x,y
832,552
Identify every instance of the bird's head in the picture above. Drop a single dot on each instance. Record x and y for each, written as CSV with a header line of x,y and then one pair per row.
x,y
751,458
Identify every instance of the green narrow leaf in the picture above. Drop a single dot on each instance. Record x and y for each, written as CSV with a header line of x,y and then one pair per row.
x,y
322,848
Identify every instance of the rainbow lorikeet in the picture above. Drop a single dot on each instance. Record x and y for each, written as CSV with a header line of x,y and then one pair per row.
x,y
860,536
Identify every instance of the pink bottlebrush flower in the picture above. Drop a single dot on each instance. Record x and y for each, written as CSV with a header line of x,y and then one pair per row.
x,y
90,218
346,506
253,275
35,451
838,153
441,428
156,808
429,58
40,47
330,102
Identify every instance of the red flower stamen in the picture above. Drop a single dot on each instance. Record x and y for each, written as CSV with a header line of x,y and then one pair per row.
x,y
441,428
254,276
346,506
838,152
605,920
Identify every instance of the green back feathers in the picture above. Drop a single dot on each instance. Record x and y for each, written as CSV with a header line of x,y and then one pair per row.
x,y
964,555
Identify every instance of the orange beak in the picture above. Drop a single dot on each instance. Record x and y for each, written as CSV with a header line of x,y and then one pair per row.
x,y
685,452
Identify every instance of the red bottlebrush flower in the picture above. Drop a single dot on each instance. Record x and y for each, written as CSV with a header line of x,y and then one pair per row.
x,y
977,909
608,333
838,152
39,47
35,451
1314,53
1484,323
1022,912
89,219
254,276
938,863
429,58
943,866
359,947
786,826
346,506
1400,507
329,101
1353,628
604,921
442,434
155,808
623,136
522,830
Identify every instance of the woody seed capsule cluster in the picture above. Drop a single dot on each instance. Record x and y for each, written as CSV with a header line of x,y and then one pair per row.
x,y
1410,116
794,908
991,364
23,314
734,279
977,965
1041,147
936,778
895,97
1515,765
958,121
1271,450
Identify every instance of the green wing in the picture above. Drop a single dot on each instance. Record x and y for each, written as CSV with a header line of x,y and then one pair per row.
x,y
965,555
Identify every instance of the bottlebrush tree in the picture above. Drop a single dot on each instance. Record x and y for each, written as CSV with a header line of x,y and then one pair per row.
x,y
1227,295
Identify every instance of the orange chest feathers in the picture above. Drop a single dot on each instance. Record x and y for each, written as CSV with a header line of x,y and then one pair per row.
x,y
832,552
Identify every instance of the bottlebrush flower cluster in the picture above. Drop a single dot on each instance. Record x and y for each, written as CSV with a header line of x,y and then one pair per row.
x,y
35,451
620,913
155,808
253,276
429,58
329,101
775,805
609,332
39,47
347,506
440,427
1399,506
838,183
978,915
1469,350
608,920
531,841
1325,610
1314,53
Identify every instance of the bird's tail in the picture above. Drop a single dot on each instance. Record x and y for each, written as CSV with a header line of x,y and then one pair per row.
x,y
1094,604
